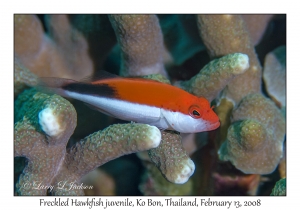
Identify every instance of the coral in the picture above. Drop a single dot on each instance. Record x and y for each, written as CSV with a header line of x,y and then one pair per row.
x,y
155,184
101,147
282,164
23,77
35,49
207,55
65,51
103,183
29,37
43,128
157,77
280,188
141,43
255,139
225,34
77,41
171,159
256,25
274,75
213,77
45,151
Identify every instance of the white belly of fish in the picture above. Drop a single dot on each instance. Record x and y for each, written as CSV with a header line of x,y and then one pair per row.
x,y
124,110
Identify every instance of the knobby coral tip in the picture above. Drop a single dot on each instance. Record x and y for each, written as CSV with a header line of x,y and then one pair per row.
x,y
242,64
155,136
187,171
49,122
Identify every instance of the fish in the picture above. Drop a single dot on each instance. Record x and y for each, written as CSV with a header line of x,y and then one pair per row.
x,y
139,100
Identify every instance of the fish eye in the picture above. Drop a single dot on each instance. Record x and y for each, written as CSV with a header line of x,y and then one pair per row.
x,y
194,112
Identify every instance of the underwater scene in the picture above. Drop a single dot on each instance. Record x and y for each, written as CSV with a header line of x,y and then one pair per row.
x,y
154,105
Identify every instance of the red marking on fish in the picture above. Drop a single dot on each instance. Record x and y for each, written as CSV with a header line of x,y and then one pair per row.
x,y
142,100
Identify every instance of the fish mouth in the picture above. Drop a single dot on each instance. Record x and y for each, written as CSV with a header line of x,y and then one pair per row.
x,y
214,126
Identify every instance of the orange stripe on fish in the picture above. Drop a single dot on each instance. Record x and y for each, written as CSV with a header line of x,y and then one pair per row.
x,y
142,100
153,93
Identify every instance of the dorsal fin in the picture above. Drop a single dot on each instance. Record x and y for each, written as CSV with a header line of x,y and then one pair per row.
x,y
99,75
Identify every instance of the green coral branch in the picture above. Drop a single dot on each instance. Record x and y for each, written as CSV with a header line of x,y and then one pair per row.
x,y
102,146
279,188
255,139
43,127
44,152
213,77
243,127
226,34
171,159
154,184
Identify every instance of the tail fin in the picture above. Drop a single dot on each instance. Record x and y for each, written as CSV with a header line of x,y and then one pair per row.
x,y
53,85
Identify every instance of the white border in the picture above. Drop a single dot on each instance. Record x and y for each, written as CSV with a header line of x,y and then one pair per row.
x,y
153,6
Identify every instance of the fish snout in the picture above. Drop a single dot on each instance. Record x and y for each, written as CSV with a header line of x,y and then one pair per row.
x,y
214,126
212,120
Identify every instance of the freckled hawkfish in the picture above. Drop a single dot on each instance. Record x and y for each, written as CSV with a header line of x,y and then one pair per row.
x,y
140,100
